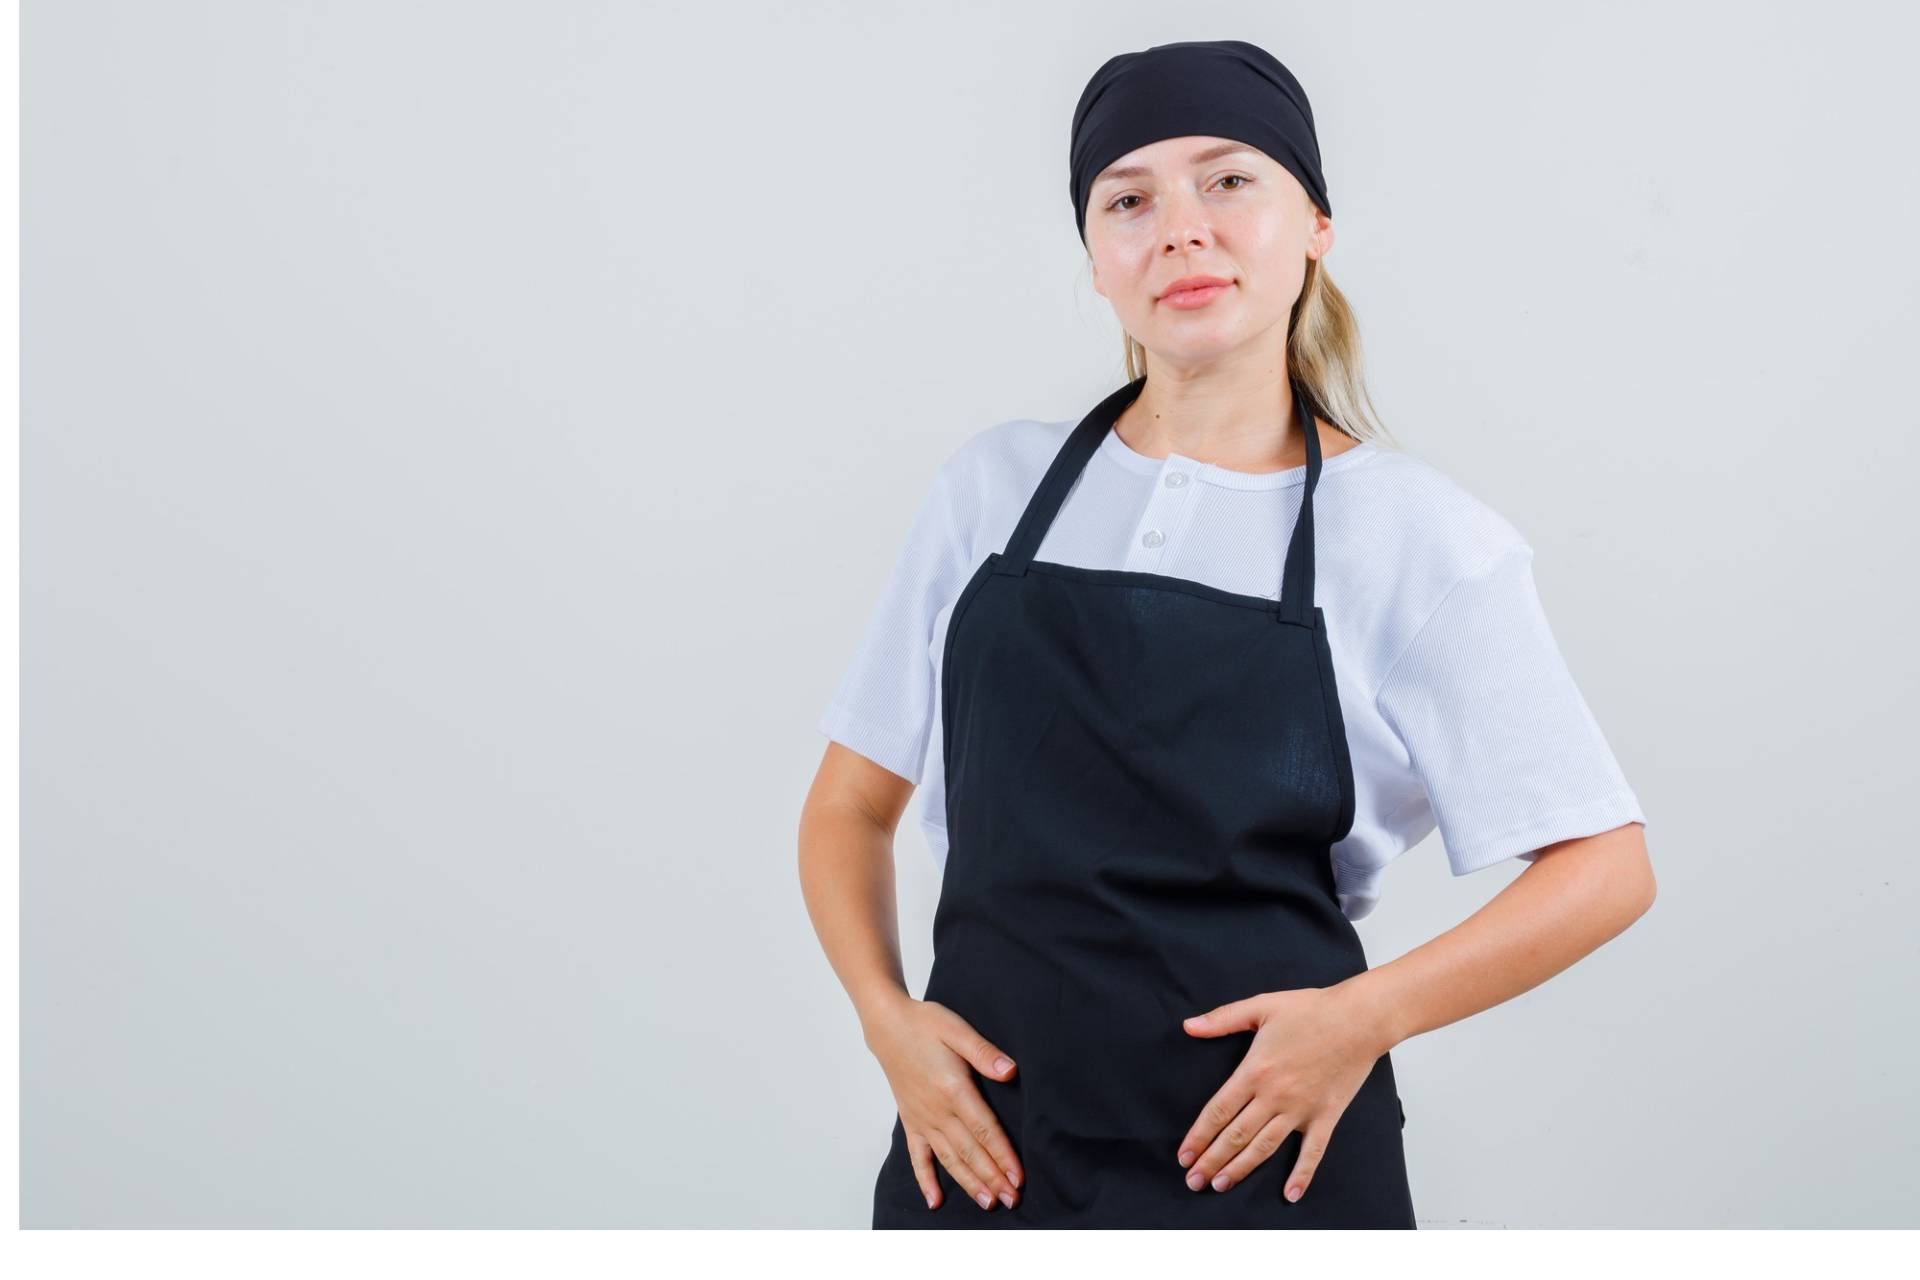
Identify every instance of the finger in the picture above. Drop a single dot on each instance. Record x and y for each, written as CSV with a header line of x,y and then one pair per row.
x,y
973,1112
1239,1015
1220,1109
1312,1147
957,1168
980,1160
922,1156
1235,1137
982,1054
1264,1144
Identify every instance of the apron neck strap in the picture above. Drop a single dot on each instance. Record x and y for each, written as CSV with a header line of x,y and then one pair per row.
x,y
1067,465
1296,583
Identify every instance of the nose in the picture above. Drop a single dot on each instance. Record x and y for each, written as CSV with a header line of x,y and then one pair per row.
x,y
1184,224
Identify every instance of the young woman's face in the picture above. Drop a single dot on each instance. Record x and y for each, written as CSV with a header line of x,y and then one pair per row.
x,y
1201,206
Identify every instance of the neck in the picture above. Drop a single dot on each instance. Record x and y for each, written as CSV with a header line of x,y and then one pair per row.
x,y
1241,419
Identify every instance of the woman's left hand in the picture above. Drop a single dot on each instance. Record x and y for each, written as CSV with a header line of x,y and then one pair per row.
x,y
1311,1052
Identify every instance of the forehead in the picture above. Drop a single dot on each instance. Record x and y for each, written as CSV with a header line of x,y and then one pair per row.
x,y
1174,153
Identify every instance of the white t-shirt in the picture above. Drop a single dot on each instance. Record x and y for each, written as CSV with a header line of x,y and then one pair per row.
x,y
1460,711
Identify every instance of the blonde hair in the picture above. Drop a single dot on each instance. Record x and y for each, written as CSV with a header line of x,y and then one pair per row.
x,y
1323,357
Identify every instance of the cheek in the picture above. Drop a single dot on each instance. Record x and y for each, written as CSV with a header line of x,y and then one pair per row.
x,y
1257,232
1276,258
1122,275
1127,248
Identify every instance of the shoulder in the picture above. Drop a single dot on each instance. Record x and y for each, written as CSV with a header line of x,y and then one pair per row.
x,y
1420,523
1015,447
1006,458
1402,538
979,481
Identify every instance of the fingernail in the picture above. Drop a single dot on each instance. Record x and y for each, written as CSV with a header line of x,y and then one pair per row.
x,y
1002,1065
1006,1198
1293,1193
1186,1158
1013,1177
1221,1182
986,1201
929,1201
1193,1180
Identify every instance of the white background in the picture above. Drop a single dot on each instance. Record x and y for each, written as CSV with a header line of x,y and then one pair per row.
x,y
461,444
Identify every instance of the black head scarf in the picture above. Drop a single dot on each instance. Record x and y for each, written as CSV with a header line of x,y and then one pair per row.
x,y
1221,88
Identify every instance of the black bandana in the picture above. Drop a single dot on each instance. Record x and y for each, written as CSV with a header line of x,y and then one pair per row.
x,y
1219,88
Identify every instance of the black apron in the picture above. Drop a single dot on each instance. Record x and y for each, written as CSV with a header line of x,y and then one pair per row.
x,y
1145,778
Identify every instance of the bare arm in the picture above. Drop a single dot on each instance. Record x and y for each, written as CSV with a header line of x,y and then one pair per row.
x,y
928,1051
846,876
1574,897
1313,1047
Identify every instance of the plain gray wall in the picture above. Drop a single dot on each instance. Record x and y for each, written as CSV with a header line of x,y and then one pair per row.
x,y
462,444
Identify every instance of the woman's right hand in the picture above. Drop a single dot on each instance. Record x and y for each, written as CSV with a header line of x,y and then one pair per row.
x,y
929,1053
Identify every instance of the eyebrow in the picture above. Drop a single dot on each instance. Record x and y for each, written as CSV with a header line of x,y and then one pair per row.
x,y
1140,170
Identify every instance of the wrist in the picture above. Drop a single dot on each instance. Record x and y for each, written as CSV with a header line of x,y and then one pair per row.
x,y
880,1007
1376,1007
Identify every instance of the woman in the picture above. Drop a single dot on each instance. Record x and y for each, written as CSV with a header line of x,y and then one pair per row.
x,y
1157,808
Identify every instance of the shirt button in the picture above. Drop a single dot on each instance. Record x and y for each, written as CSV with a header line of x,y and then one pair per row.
x,y
1175,479
1151,538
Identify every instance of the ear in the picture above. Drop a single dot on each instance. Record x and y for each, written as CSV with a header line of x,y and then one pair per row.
x,y
1320,237
1096,278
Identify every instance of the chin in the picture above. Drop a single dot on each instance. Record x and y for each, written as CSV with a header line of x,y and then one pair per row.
x,y
1195,349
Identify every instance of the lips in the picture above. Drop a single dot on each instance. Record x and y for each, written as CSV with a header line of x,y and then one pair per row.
x,y
1197,286
1194,292
1190,293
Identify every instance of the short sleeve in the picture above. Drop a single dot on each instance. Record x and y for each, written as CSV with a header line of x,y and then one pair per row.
x,y
883,707
1509,752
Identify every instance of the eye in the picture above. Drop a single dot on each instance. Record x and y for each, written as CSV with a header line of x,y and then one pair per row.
x,y
1120,205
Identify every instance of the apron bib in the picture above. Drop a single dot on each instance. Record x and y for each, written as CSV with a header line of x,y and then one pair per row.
x,y
1145,778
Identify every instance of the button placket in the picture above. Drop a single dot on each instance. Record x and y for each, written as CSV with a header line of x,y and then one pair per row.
x,y
1163,514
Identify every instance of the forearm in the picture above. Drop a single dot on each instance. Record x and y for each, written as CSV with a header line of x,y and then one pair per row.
x,y
846,877
1576,896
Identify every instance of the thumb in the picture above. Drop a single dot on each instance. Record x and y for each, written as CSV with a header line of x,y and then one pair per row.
x,y
984,1055
1240,1015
